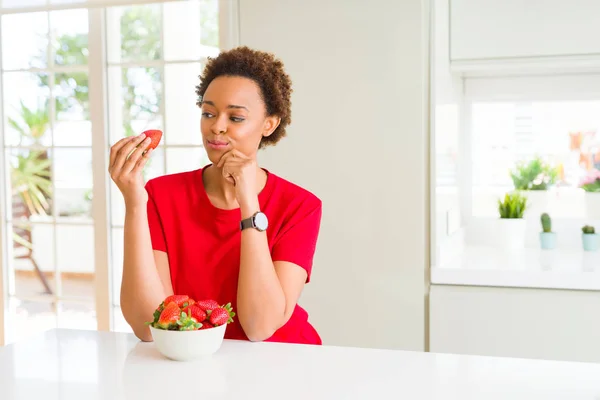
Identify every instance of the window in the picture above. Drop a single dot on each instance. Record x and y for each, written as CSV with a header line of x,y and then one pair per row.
x,y
539,135
154,55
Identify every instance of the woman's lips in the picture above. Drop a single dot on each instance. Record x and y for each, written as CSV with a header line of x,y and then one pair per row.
x,y
217,145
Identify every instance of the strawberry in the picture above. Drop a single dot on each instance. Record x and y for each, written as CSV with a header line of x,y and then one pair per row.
x,y
169,316
186,305
179,299
222,315
206,325
155,135
187,323
207,305
194,311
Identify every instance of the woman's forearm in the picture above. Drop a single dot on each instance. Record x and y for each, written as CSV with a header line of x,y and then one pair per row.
x,y
260,299
141,288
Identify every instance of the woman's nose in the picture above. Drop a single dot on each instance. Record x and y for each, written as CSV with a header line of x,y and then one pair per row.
x,y
220,126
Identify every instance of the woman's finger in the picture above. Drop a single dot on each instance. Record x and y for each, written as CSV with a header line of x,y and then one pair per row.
x,y
135,156
126,150
115,149
139,166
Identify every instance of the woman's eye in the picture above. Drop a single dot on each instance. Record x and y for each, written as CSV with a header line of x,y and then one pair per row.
x,y
207,114
237,119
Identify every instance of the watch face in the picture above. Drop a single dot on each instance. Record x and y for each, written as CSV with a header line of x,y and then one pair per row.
x,y
261,222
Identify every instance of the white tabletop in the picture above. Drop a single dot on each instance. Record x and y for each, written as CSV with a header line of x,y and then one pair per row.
x,y
69,364
526,268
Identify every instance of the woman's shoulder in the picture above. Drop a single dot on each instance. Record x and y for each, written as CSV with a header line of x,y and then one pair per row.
x,y
293,193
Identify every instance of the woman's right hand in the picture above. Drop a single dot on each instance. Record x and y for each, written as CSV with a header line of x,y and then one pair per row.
x,y
126,172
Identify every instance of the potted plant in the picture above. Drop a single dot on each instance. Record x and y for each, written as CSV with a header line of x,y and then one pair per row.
x,y
535,178
591,185
547,237
512,226
590,239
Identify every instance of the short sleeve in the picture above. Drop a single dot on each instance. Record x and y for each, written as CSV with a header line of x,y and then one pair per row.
x,y
157,233
298,240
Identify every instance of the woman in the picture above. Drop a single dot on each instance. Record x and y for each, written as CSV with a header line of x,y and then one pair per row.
x,y
230,231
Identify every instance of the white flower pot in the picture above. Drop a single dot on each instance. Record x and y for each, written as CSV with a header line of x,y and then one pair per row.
x,y
510,233
537,203
592,205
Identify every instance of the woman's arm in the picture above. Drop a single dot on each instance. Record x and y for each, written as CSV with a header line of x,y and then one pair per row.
x,y
146,280
267,291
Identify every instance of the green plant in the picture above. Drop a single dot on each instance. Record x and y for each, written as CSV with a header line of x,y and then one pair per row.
x,y
513,206
546,223
534,175
588,230
30,179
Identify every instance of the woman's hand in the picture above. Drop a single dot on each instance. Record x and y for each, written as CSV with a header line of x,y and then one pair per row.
x,y
240,170
126,172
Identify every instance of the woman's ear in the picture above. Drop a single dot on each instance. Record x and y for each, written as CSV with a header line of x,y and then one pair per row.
x,y
271,123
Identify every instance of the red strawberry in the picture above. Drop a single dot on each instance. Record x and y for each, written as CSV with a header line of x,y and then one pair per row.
x,y
186,305
179,299
222,315
207,305
196,312
169,316
155,135
206,325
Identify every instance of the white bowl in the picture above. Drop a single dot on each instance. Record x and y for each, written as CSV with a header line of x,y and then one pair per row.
x,y
188,345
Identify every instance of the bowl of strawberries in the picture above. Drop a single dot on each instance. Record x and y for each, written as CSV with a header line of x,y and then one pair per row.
x,y
185,329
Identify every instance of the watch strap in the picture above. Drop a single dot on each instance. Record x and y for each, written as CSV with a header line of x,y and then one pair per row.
x,y
247,223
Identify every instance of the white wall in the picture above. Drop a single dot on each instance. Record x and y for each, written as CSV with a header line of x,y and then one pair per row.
x,y
359,141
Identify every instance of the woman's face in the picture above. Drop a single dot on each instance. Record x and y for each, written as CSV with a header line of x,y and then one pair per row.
x,y
234,117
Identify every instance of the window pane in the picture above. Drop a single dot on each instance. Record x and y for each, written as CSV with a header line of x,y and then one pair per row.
x,y
191,29
77,316
180,160
27,319
25,41
73,182
182,115
69,37
134,101
32,268
71,91
134,33
544,148
120,325
30,183
75,257
26,101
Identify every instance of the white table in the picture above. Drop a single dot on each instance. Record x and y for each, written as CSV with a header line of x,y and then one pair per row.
x,y
69,364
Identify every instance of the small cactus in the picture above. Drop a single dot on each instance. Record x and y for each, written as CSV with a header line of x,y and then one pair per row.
x,y
588,230
546,223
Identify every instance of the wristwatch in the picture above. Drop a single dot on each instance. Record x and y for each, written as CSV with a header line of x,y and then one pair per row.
x,y
258,221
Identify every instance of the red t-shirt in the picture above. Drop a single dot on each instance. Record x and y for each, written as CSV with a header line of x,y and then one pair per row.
x,y
203,242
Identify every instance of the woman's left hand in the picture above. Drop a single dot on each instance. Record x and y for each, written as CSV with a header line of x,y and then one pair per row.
x,y
240,170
